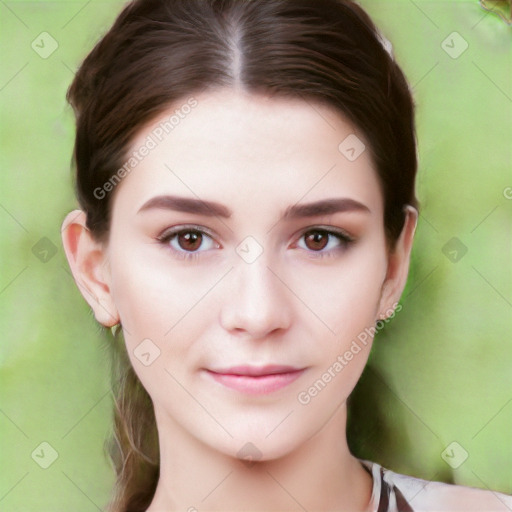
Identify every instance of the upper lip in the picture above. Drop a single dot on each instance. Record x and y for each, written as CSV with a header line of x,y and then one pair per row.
x,y
255,371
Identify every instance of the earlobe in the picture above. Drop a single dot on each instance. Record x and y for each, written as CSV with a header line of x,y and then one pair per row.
x,y
87,261
398,265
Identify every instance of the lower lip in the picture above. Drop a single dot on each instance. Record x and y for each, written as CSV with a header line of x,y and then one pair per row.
x,y
256,385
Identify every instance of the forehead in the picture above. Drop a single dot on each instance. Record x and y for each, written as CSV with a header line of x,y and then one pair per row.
x,y
241,148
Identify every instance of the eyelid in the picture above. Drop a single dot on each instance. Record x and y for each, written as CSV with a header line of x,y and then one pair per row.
x,y
165,237
345,239
173,230
330,230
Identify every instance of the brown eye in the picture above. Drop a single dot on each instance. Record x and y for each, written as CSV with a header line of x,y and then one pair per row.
x,y
325,242
316,240
189,240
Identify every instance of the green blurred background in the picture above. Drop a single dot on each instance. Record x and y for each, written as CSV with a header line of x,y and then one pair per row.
x,y
436,398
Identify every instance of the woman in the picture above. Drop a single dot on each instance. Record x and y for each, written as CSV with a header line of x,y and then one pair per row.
x,y
246,175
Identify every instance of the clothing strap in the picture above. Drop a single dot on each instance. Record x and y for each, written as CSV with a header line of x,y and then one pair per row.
x,y
386,497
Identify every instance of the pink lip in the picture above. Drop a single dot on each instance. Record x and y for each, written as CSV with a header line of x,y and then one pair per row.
x,y
256,380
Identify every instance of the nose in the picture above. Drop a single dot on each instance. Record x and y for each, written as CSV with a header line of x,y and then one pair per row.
x,y
257,303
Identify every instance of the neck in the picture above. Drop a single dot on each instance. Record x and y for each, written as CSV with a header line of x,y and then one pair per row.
x,y
319,475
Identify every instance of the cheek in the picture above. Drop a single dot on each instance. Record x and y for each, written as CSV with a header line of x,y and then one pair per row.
x,y
156,307
348,306
162,316
344,296
161,301
154,294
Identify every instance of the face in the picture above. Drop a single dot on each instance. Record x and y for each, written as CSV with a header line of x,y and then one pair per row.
x,y
246,262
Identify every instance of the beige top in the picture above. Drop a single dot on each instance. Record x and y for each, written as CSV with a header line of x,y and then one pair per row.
x,y
393,492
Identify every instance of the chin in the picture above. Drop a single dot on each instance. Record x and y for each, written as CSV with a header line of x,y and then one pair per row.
x,y
260,447
259,452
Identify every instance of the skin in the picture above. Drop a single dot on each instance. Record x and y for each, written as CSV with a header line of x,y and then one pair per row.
x,y
297,304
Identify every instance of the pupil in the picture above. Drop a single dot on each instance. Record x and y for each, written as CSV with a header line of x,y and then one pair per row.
x,y
190,240
318,239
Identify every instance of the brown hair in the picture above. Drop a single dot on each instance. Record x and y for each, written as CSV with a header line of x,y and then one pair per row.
x,y
159,52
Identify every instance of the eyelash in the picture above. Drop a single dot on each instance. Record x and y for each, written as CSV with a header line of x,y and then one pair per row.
x,y
343,237
169,234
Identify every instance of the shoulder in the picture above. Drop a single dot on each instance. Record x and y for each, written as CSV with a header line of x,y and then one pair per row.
x,y
424,495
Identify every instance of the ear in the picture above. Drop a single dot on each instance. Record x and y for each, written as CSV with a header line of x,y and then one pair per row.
x,y
398,265
88,261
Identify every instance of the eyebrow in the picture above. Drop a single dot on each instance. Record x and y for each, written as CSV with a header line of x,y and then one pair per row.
x,y
187,205
325,207
213,209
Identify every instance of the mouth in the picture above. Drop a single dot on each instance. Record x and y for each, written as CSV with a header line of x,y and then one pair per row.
x,y
256,380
